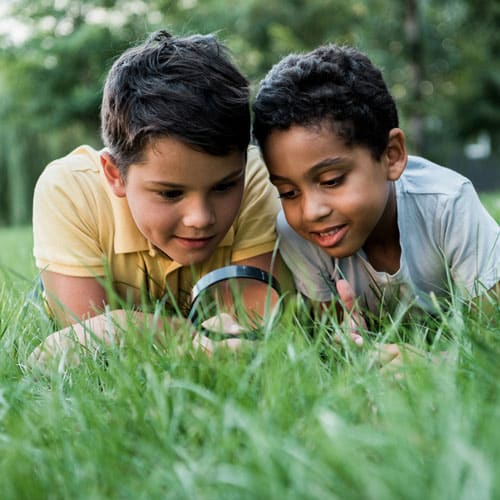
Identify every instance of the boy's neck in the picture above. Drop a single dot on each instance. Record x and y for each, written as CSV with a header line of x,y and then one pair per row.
x,y
382,248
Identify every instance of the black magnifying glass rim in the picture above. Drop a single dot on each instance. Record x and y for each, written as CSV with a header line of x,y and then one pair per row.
x,y
223,274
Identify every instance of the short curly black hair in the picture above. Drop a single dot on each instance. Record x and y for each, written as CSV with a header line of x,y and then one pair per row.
x,y
186,88
334,85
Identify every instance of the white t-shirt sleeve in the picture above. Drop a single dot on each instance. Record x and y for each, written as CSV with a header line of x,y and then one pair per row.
x,y
471,241
312,268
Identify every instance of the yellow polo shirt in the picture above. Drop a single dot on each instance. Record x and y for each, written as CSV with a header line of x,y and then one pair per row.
x,y
82,229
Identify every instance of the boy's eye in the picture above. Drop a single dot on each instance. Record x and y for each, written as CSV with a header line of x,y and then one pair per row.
x,y
287,195
172,194
334,181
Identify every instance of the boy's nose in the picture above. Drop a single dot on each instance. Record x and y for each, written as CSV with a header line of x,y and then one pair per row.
x,y
199,214
315,207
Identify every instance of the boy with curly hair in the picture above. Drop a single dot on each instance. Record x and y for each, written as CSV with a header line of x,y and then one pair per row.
x,y
360,217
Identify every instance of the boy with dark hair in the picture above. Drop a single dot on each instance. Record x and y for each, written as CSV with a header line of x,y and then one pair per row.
x,y
175,193
359,214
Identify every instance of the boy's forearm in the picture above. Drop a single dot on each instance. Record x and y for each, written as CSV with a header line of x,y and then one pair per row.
x,y
102,330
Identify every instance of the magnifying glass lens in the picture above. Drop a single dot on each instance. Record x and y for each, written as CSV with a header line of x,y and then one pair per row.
x,y
238,303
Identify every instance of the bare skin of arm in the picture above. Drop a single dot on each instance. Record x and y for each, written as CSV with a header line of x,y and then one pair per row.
x,y
248,296
77,305
352,318
386,356
254,297
389,356
91,333
72,299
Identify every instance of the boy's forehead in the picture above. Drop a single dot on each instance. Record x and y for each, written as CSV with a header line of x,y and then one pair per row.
x,y
316,128
172,147
310,148
302,138
170,160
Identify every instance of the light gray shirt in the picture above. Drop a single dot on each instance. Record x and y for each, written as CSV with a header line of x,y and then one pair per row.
x,y
447,239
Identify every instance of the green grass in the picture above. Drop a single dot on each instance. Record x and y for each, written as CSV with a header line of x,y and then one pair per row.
x,y
492,202
295,418
16,250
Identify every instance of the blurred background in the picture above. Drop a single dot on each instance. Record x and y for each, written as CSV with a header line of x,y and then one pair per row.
x,y
439,57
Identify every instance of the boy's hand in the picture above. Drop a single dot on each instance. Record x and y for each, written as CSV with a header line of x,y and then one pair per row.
x,y
67,344
353,320
61,345
392,356
222,323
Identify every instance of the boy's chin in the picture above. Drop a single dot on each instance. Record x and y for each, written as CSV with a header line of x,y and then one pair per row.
x,y
337,253
188,257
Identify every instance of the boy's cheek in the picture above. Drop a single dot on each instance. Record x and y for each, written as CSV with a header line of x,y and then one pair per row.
x,y
293,217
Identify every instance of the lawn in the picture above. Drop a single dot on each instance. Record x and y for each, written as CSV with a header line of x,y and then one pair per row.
x,y
295,417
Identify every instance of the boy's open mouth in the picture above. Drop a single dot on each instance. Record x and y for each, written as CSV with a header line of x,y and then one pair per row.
x,y
329,237
330,231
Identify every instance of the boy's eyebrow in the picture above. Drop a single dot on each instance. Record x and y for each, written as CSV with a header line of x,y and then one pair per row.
x,y
326,162
232,176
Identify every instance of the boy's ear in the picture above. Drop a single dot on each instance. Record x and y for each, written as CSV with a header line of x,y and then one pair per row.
x,y
113,175
395,154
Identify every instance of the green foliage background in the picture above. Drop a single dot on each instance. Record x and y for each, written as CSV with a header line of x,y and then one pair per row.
x,y
439,58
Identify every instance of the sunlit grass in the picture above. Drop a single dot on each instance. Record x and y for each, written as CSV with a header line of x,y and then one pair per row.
x,y
296,417
17,266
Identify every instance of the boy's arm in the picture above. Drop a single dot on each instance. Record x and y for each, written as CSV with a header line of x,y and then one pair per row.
x,y
353,319
72,298
67,201
102,329
255,295
347,311
85,299
256,300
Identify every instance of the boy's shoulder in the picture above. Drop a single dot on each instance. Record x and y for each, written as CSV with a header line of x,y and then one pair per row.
x,y
422,176
77,177
255,164
82,158
68,169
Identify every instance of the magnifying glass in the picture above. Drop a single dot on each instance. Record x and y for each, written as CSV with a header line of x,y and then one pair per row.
x,y
220,303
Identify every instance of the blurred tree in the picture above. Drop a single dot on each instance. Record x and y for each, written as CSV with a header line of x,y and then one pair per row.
x,y
50,89
438,56
480,75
